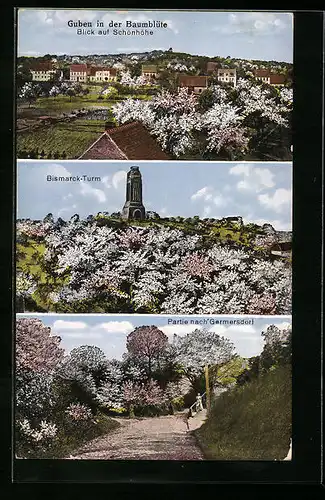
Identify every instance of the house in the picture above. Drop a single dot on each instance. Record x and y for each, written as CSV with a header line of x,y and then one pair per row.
x,y
212,67
276,79
227,75
194,84
43,71
266,76
283,245
130,141
263,75
149,72
102,74
78,73
84,73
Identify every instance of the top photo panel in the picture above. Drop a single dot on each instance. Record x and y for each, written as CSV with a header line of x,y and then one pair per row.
x,y
154,85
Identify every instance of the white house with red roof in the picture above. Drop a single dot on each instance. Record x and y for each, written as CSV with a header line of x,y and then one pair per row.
x,y
78,73
84,73
43,71
102,74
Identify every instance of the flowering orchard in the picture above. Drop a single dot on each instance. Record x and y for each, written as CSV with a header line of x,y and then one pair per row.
x,y
87,267
68,399
253,118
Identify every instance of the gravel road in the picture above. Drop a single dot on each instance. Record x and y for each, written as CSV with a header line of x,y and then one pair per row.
x,y
159,438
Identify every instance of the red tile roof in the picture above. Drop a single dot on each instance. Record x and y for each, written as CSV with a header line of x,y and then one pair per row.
x,y
193,81
42,66
262,72
94,69
275,79
104,148
130,141
78,68
211,66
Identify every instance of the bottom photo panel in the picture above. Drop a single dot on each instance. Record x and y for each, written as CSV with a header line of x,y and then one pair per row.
x,y
144,387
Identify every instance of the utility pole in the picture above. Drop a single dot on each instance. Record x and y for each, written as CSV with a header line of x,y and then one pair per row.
x,y
207,386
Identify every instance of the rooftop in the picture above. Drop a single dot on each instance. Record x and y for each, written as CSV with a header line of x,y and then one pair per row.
x,y
131,141
274,78
78,68
193,81
42,66
150,68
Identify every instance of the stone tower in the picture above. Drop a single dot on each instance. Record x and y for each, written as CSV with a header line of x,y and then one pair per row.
x,y
133,207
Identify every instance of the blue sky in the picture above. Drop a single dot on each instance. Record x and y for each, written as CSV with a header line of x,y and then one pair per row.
x,y
109,332
248,35
259,192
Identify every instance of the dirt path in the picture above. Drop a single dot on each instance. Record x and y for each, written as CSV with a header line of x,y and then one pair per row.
x,y
160,438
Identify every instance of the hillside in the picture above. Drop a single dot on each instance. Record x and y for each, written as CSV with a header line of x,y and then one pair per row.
x,y
251,422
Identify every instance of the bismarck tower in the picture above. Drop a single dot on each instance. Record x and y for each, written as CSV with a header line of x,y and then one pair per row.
x,y
133,207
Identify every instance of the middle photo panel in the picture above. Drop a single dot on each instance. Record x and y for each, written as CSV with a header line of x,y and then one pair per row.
x,y
154,237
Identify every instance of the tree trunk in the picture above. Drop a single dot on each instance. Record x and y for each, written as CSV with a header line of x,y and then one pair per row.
x,y
149,368
131,411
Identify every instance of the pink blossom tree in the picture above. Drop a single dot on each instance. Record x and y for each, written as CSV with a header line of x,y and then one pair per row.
x,y
147,344
36,348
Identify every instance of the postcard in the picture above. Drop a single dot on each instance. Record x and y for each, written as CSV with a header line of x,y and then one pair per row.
x,y
154,85
153,235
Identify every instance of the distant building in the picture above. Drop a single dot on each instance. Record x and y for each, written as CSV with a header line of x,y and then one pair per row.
x,y
149,72
194,84
227,75
84,73
43,71
102,74
263,75
78,73
277,79
266,76
131,141
133,206
212,67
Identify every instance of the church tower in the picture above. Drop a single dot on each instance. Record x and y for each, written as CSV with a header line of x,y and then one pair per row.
x,y
133,207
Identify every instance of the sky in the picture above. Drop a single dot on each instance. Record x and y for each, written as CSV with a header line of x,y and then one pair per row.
x,y
247,35
259,192
109,332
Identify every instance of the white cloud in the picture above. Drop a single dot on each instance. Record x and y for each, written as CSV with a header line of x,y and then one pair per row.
x,y
106,180
119,179
203,193
56,170
278,201
181,330
61,324
279,225
255,178
87,189
89,335
116,327
255,23
208,194
206,211
220,201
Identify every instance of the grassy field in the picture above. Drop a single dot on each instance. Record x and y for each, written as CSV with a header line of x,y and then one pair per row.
x,y
54,106
251,422
73,138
